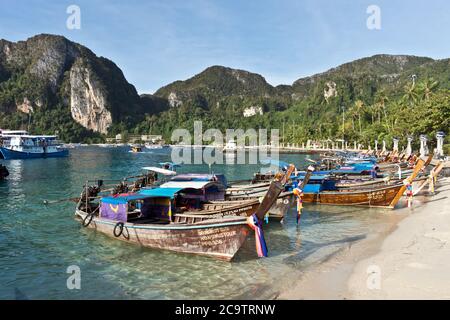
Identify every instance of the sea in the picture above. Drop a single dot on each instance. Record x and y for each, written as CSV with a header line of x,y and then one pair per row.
x,y
42,244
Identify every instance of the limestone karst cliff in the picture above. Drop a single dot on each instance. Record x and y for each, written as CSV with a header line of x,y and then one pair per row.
x,y
47,73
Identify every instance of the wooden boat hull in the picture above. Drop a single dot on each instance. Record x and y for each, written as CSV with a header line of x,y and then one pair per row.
x,y
216,238
379,197
219,209
278,210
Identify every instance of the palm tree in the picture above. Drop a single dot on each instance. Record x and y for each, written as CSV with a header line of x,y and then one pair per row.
x,y
382,100
353,115
371,108
359,105
427,88
378,109
411,95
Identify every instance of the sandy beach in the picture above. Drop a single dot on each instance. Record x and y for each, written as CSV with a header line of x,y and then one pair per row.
x,y
408,258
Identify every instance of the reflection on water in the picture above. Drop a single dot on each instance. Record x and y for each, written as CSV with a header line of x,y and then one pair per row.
x,y
38,242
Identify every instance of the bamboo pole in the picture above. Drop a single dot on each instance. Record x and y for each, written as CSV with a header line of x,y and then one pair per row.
x,y
419,165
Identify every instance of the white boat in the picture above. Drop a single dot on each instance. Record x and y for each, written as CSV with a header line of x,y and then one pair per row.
x,y
152,146
230,146
18,144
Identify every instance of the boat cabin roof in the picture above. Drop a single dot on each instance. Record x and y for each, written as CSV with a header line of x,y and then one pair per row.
x,y
168,193
160,170
192,184
189,177
13,132
27,136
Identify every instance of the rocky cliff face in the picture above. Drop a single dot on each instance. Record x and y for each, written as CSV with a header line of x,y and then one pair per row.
x,y
88,104
47,71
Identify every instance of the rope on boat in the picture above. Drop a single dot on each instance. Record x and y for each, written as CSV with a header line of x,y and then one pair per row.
x,y
409,193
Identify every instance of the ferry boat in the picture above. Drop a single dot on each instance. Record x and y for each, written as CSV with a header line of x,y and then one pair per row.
x,y
21,145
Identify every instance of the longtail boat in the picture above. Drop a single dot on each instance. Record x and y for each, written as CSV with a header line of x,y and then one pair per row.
x,y
384,196
280,207
235,193
151,218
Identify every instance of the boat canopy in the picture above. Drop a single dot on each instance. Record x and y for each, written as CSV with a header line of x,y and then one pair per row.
x,y
192,177
160,170
123,199
142,195
160,192
201,177
189,184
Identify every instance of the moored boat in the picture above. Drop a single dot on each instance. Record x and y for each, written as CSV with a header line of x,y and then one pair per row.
x,y
153,146
235,193
136,149
21,145
156,218
371,196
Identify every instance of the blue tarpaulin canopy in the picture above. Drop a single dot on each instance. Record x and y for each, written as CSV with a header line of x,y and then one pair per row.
x,y
143,194
160,192
123,199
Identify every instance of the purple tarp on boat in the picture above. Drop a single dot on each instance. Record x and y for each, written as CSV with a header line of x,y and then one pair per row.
x,y
116,212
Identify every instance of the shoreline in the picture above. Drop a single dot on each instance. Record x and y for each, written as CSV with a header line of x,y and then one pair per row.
x,y
416,273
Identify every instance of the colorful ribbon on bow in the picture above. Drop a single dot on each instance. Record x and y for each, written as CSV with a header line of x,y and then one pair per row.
x,y
409,193
256,225
299,194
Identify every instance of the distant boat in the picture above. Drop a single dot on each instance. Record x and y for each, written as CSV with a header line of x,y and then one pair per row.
x,y
152,146
71,145
3,172
231,147
136,149
21,145
108,145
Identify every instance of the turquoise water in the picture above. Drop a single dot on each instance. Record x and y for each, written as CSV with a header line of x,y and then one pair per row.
x,y
38,243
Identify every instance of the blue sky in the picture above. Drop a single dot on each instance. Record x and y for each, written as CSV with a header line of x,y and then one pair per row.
x,y
157,42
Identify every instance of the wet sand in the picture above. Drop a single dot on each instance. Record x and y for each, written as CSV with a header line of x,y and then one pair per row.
x,y
406,257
